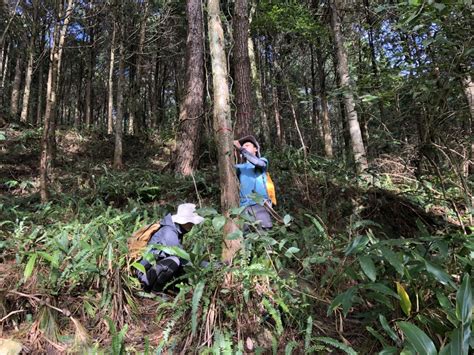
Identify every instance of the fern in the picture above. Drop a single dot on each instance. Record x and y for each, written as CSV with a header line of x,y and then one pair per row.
x,y
309,330
337,344
196,299
275,315
290,346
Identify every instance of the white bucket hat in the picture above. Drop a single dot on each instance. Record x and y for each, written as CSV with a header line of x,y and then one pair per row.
x,y
187,214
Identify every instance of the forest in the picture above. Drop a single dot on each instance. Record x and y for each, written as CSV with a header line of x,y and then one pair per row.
x,y
115,113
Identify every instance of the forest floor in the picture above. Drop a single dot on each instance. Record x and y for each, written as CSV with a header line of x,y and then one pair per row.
x,y
40,313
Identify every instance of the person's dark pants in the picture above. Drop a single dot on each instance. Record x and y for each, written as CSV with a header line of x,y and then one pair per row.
x,y
258,213
160,274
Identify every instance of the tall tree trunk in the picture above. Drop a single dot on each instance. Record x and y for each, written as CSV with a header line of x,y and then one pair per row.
x,y
293,112
370,35
39,100
3,72
8,15
54,70
78,110
88,105
27,89
468,86
110,90
357,143
315,110
326,123
276,115
257,84
29,67
136,111
243,87
15,96
223,126
118,151
192,109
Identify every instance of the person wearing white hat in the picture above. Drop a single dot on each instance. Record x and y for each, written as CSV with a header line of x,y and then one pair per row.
x,y
172,229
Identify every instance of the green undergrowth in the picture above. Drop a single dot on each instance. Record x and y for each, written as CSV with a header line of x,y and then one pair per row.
x,y
356,266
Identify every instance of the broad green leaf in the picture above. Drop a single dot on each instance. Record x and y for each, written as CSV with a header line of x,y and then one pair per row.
x,y
218,222
48,258
368,266
439,6
464,301
287,219
237,234
357,244
317,224
345,300
393,258
405,302
139,267
292,250
177,251
439,274
390,350
381,288
447,307
206,211
460,340
446,350
417,338
388,329
197,294
377,335
236,211
30,265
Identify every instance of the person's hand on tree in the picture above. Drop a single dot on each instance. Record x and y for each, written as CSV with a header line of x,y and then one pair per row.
x,y
237,144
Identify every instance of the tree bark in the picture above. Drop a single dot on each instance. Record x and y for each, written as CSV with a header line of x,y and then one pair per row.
x,y
29,67
373,60
54,70
136,111
223,126
468,86
357,143
317,129
192,109
78,110
89,108
293,111
39,100
27,88
118,151
3,72
15,95
110,91
261,112
243,87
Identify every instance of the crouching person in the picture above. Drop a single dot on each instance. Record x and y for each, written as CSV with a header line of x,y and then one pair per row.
x,y
171,232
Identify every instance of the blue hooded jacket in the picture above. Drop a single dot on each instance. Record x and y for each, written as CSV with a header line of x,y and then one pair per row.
x,y
253,178
168,235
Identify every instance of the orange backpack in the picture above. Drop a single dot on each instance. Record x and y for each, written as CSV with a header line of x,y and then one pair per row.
x,y
139,240
271,189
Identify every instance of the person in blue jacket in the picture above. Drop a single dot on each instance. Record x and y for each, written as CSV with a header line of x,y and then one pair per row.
x,y
252,178
172,229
